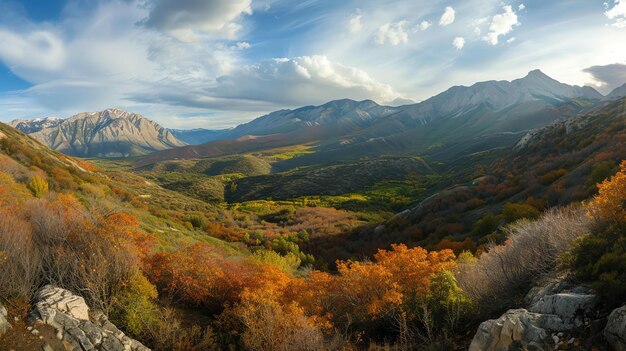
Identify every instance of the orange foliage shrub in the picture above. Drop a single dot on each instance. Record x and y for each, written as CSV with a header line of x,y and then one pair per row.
x,y
412,268
610,204
199,274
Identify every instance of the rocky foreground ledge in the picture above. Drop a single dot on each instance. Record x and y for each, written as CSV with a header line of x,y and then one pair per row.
x,y
555,317
77,328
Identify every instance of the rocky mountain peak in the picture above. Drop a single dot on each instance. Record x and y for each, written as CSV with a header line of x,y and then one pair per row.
x,y
108,133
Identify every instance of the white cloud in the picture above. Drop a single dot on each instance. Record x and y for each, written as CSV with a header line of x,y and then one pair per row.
x,y
354,24
188,20
392,33
617,13
521,7
510,40
242,45
287,81
501,24
458,43
447,17
424,25
35,53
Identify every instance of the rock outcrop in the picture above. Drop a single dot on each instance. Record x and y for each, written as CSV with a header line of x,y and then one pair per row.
x,y
615,330
514,330
70,316
555,309
4,322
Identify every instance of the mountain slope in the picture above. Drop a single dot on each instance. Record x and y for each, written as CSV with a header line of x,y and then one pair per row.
x,y
346,130
617,93
551,166
339,115
109,133
30,126
199,135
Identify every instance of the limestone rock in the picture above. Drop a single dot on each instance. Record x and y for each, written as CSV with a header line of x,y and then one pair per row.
x,y
514,330
62,300
555,307
615,330
4,322
572,308
70,316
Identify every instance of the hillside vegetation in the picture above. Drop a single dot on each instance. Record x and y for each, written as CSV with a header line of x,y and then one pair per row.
x,y
411,297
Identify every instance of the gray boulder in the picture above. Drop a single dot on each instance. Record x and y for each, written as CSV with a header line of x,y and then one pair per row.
x,y
615,330
70,316
4,321
556,306
514,330
63,301
571,307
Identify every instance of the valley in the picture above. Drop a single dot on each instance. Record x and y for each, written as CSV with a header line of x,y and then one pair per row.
x,y
333,217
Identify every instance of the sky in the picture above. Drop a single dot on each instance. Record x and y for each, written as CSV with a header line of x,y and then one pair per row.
x,y
218,63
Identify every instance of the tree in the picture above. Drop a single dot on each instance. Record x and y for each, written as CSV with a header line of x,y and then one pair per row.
x,y
610,204
38,186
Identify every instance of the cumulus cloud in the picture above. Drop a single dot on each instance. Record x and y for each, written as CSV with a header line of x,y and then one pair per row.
x,y
112,61
458,43
283,82
501,24
521,7
422,26
617,13
607,77
448,16
187,20
354,24
392,33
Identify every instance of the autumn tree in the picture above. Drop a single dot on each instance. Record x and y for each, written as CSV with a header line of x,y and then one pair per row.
x,y
601,257
38,186
610,203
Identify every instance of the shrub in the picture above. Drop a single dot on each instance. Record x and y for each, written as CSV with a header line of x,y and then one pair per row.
x,y
38,186
602,171
199,275
486,225
270,325
82,253
513,212
288,263
134,307
168,334
601,257
19,258
532,249
197,221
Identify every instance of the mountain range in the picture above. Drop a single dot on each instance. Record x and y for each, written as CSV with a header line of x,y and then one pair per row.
x,y
462,118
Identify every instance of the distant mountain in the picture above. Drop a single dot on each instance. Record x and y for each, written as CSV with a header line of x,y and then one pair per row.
x,y
499,95
461,119
336,116
29,126
617,93
109,133
199,135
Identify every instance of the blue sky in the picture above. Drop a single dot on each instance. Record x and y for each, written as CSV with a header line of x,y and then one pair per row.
x,y
217,63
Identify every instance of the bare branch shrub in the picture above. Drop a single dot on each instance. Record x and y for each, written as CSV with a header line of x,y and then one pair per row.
x,y
532,249
19,259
